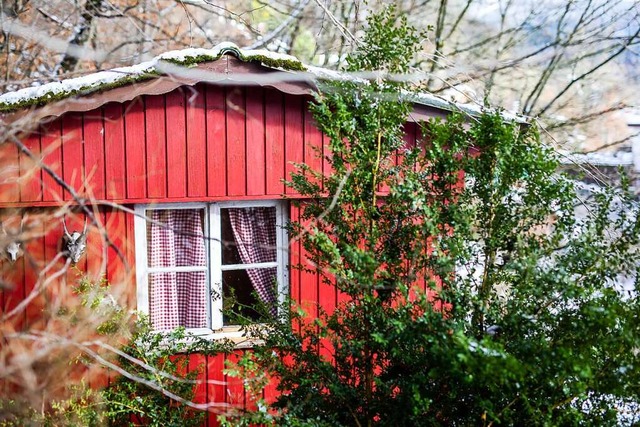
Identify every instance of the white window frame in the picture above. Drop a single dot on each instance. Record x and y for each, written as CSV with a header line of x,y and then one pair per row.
x,y
214,269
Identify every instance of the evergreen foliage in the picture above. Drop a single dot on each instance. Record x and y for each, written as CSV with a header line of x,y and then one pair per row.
x,y
524,320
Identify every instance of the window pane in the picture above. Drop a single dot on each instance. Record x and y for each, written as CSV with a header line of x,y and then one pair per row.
x,y
242,297
248,235
175,238
178,299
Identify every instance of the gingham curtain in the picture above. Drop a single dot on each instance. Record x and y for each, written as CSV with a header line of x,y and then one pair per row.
x,y
177,298
254,230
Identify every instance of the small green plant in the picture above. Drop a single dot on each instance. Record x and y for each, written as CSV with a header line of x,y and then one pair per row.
x,y
154,366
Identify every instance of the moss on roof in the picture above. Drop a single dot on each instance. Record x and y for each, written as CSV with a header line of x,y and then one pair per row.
x,y
110,79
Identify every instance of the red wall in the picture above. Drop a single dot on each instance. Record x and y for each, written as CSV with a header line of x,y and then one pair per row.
x,y
195,143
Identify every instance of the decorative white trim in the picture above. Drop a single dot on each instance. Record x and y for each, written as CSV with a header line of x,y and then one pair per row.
x,y
140,244
231,267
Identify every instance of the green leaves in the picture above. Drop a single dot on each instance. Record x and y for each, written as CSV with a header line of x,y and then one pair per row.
x,y
471,291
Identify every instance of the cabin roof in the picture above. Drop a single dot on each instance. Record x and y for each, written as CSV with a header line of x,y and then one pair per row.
x,y
225,63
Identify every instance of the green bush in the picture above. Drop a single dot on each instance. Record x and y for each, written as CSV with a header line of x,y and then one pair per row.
x,y
523,321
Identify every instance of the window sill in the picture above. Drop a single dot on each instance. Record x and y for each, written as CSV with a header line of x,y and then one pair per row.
x,y
234,334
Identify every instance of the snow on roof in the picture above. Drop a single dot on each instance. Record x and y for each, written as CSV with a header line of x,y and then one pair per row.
x,y
597,159
102,80
53,91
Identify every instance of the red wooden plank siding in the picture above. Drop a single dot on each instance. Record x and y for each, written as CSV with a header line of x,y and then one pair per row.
x,y
114,152
294,136
9,173
116,228
215,385
235,394
35,261
236,143
30,172
294,262
197,363
135,149
176,145
274,133
96,248
51,141
255,143
156,149
94,154
53,227
409,138
309,290
216,141
72,154
196,143
312,142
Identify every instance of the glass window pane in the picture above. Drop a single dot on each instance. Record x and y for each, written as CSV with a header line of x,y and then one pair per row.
x,y
245,290
248,235
178,299
175,238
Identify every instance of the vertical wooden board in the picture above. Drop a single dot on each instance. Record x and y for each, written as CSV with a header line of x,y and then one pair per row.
x,y
72,154
312,142
309,296
114,152
9,173
294,262
236,149
134,136
34,263
196,143
57,291
51,141
176,145
156,149
409,138
197,363
94,154
271,392
234,386
30,172
215,384
216,141
294,135
116,230
274,137
96,248
255,143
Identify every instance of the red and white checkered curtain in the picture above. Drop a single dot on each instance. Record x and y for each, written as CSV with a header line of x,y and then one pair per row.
x,y
254,230
176,239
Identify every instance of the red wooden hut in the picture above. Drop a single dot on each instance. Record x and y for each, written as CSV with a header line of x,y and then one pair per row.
x,y
200,140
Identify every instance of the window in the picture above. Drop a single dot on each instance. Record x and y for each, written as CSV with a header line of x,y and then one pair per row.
x,y
194,262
